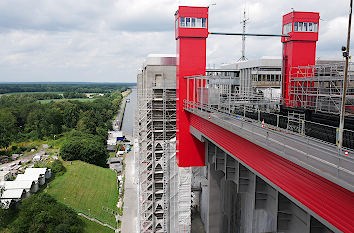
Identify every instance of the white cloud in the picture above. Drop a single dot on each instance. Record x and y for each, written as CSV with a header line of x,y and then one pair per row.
x,y
107,40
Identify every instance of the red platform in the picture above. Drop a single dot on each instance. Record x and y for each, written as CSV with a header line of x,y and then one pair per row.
x,y
328,200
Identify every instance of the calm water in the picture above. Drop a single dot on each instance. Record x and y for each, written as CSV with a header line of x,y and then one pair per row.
x,y
128,120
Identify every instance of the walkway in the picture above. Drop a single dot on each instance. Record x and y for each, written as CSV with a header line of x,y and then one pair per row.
x,y
97,221
130,212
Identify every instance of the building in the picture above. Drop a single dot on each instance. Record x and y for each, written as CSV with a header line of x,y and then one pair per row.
x,y
28,185
160,208
115,164
12,196
5,175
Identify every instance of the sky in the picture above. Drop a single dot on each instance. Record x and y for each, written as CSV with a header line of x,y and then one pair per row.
x,y
108,40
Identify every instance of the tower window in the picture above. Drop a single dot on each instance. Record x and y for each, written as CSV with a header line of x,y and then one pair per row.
x,y
310,27
182,22
305,27
198,22
300,26
193,22
204,22
188,22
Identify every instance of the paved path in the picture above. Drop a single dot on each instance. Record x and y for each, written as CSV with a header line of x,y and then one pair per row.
x,y
97,221
130,212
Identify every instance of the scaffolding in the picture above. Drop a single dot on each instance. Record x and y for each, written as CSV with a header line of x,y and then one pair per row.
x,y
320,88
155,127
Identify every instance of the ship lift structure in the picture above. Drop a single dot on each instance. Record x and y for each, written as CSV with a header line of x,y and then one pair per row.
x,y
282,152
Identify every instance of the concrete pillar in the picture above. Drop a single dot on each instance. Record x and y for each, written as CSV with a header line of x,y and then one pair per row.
x,y
247,186
215,211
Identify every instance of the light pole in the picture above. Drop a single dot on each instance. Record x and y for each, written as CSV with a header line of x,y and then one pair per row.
x,y
345,82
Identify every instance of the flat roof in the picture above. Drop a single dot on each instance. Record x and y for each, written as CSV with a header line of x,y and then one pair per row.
x,y
12,194
32,177
40,171
18,184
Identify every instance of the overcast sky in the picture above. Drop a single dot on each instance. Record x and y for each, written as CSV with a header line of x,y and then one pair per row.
x,y
107,40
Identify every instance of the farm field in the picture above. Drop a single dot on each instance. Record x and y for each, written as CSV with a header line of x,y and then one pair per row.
x,y
57,100
87,189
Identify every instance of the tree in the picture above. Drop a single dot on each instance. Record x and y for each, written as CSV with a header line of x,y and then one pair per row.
x,y
85,147
7,127
42,213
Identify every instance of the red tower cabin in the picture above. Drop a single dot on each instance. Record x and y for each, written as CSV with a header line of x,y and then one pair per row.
x,y
299,49
191,33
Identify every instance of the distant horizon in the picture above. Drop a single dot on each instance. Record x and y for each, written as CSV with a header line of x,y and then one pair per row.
x,y
66,82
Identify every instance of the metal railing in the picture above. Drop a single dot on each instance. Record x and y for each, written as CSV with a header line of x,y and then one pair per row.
x,y
322,157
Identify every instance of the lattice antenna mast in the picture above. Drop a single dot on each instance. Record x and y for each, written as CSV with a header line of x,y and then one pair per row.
x,y
244,22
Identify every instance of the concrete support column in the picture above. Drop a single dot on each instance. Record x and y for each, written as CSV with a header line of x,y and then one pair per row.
x,y
215,206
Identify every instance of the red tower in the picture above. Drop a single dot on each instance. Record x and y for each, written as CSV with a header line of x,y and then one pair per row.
x,y
191,33
300,48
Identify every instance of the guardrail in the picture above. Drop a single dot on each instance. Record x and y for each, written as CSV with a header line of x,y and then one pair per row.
x,y
321,157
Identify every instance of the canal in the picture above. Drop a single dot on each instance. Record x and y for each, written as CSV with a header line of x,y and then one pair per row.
x,y
129,114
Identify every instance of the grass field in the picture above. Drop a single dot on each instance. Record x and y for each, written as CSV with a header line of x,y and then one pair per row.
x,y
57,100
85,186
92,227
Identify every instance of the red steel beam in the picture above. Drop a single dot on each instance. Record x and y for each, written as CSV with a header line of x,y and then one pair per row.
x,y
328,200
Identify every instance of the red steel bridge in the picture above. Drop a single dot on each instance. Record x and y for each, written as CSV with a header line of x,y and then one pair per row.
x,y
261,177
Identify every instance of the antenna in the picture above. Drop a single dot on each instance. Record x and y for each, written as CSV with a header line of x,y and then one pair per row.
x,y
244,22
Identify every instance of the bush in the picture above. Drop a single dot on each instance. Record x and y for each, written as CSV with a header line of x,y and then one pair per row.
x,y
85,147
58,168
42,213
7,216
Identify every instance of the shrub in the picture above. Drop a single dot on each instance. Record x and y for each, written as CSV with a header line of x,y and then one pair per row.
x,y
42,213
58,168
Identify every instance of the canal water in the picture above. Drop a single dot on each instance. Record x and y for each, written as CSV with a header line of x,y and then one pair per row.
x,y
129,114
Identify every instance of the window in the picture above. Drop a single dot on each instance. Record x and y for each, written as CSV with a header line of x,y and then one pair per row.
x,y
182,22
310,27
158,80
287,28
300,27
204,22
198,22
193,22
315,27
188,22
305,27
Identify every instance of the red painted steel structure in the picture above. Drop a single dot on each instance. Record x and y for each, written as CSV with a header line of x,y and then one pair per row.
x,y
191,60
300,48
328,200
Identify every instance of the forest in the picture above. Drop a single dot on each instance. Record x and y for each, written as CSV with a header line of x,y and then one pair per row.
x,y
62,87
23,118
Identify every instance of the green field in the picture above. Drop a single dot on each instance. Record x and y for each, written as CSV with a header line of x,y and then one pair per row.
x,y
91,227
85,186
57,100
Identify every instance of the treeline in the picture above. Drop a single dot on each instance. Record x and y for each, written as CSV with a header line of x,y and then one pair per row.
x,y
40,213
64,87
23,118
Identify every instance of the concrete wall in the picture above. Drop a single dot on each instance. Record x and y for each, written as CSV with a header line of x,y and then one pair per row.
x,y
239,200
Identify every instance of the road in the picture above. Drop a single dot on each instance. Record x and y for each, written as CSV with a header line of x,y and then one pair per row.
x,y
130,212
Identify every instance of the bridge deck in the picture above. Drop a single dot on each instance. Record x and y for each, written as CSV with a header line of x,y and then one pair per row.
x,y
326,199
